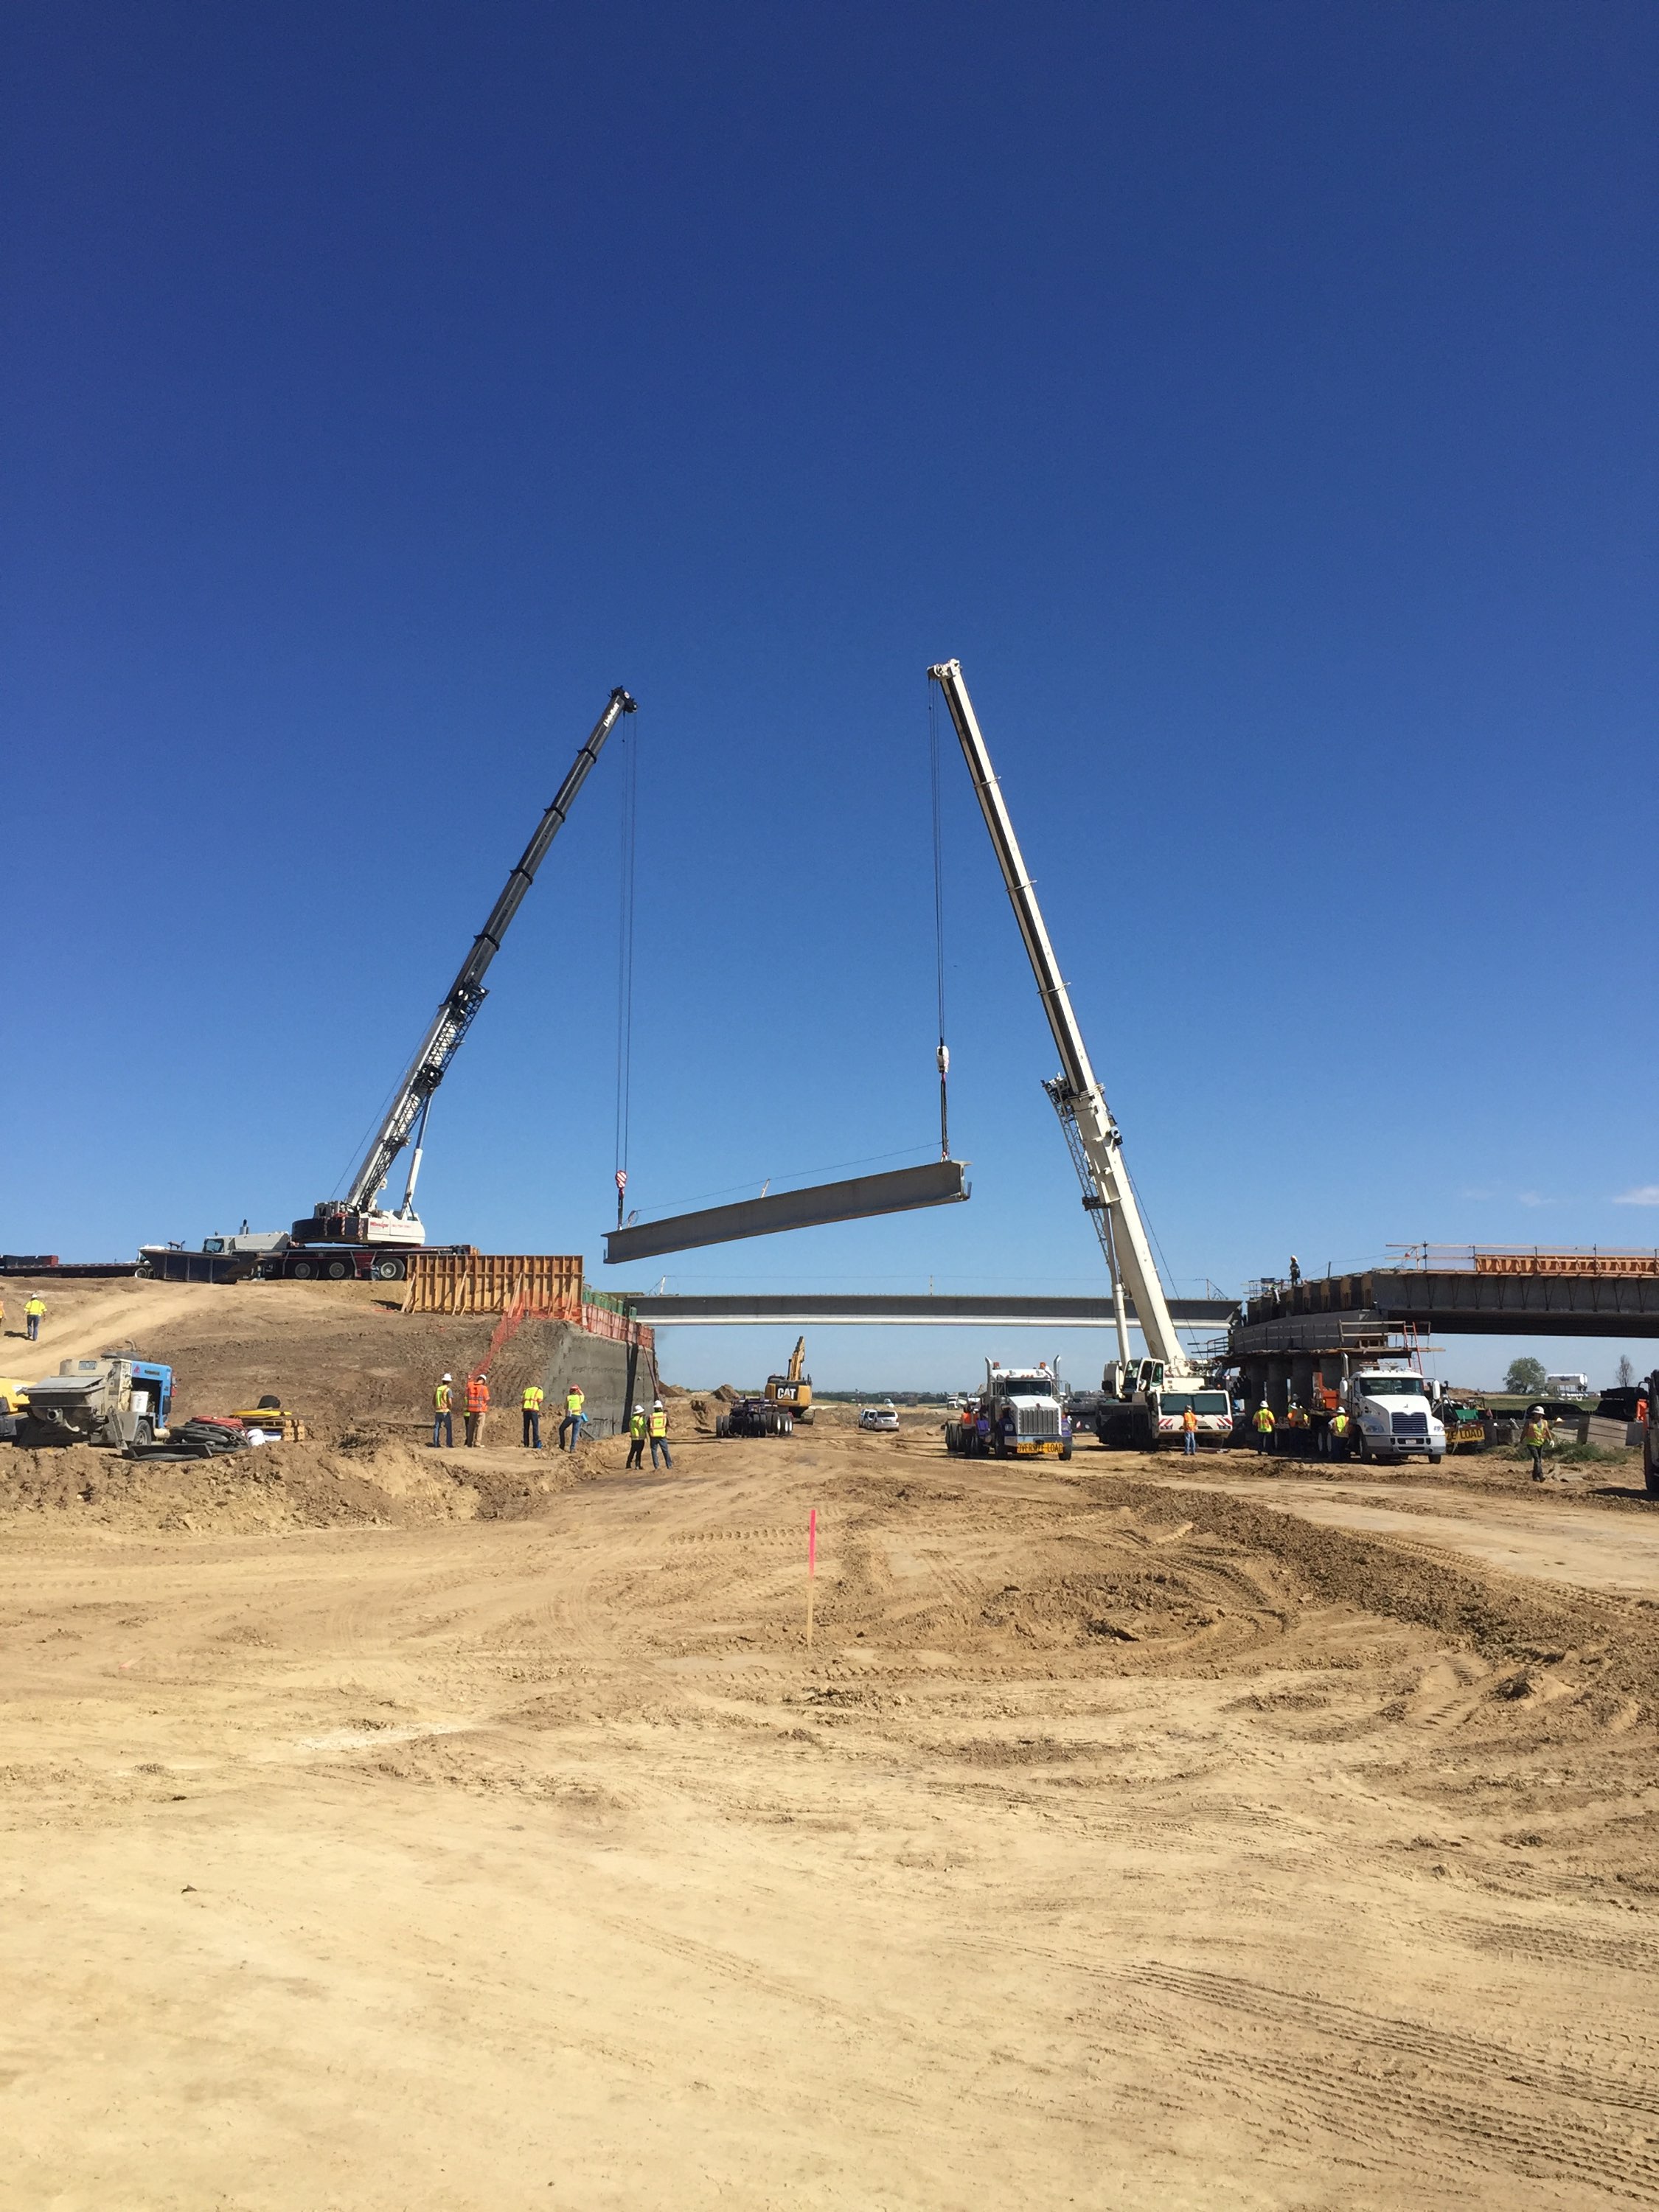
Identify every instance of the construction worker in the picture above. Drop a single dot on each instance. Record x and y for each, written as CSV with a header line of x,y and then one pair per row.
x,y
571,1425
35,1313
443,1415
1189,1434
533,1395
1296,1421
1337,1431
1265,1425
659,1434
1537,1436
636,1435
477,1405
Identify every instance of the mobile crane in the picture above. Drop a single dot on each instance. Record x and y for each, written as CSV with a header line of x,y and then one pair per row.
x,y
355,1234
1131,1390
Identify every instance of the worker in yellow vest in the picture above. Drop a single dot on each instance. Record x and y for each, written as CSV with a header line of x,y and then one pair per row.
x,y
443,1415
1265,1425
532,1416
659,1434
1537,1436
637,1436
1337,1433
35,1313
573,1417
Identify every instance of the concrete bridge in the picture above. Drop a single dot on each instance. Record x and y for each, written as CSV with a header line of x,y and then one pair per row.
x,y
796,1309
1293,1331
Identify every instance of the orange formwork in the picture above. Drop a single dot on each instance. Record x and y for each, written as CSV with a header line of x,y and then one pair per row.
x,y
542,1283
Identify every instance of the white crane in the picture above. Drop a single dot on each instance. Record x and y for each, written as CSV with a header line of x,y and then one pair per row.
x,y
1095,1141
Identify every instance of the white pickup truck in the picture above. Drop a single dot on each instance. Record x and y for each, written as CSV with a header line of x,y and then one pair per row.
x,y
1393,1415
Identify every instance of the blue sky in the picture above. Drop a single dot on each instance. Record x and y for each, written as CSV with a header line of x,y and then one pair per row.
x,y
1258,399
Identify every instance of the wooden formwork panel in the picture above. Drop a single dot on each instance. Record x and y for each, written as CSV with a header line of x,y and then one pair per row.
x,y
494,1282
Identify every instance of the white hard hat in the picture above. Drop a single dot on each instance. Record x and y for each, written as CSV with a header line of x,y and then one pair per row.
x,y
639,1409
656,1404
449,1378
1263,1407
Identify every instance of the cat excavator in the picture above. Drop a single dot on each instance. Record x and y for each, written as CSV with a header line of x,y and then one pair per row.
x,y
793,1389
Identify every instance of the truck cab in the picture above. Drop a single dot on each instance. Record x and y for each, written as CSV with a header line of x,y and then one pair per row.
x,y
1017,1415
1393,1414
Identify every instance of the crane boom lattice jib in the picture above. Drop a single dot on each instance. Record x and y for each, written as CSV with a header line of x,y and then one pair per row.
x,y
407,1114
1093,1136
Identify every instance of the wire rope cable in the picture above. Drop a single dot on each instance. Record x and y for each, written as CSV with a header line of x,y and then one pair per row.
x,y
943,1056
626,872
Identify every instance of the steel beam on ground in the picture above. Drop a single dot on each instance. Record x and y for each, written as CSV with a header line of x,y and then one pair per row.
x,y
900,1190
886,1309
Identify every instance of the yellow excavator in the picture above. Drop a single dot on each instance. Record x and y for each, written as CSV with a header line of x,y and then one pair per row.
x,y
793,1389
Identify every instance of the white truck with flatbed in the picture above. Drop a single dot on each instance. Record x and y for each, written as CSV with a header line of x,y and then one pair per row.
x,y
1017,1415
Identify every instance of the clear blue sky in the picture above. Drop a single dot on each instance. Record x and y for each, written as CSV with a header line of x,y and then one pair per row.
x,y
1259,400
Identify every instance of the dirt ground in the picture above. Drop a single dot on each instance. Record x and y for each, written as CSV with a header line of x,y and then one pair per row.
x,y
425,1832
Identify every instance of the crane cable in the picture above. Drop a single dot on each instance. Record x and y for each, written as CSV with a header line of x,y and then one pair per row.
x,y
630,782
943,1056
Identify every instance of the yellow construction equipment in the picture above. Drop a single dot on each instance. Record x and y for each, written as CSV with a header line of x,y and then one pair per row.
x,y
793,1389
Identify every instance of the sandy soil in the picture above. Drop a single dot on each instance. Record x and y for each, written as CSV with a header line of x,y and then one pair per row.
x,y
451,1831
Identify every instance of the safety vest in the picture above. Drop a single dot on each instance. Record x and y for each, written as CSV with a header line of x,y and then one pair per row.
x,y
532,1397
660,1425
443,1397
1297,1417
1535,1434
573,1401
1264,1419
1340,1424
1189,1419
636,1424
478,1396
37,1307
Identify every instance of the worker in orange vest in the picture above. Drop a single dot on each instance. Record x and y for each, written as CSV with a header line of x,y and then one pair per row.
x,y
477,1405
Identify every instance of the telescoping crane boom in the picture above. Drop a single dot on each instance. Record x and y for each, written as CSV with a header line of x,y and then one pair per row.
x,y
1096,1142
356,1217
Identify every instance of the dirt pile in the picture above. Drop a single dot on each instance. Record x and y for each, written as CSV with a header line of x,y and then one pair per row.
x,y
362,1479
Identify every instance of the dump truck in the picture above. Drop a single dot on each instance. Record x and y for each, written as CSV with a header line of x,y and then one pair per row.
x,y
109,1399
795,1388
1017,1415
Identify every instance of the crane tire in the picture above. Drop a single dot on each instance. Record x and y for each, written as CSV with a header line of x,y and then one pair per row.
x,y
302,1271
337,1270
389,1271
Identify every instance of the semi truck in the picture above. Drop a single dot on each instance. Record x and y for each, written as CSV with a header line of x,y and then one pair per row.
x,y
1393,1414
1018,1414
355,1234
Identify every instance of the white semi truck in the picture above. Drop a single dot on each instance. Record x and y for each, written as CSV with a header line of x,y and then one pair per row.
x,y
1019,1414
1392,1414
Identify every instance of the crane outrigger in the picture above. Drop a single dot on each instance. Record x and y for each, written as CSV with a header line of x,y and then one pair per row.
x,y
1092,1135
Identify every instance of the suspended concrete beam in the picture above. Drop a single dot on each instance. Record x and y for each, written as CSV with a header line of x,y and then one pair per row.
x,y
883,1310
941,1182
